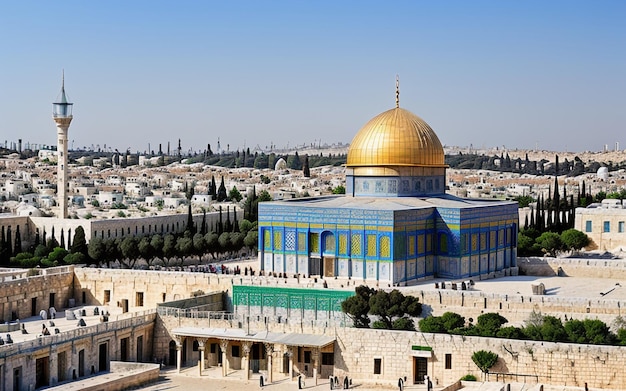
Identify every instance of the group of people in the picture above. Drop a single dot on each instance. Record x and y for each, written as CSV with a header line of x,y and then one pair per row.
x,y
8,340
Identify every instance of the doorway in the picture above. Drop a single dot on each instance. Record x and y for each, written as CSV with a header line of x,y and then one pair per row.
x,y
124,349
172,356
420,369
103,357
81,363
315,266
42,372
329,266
33,306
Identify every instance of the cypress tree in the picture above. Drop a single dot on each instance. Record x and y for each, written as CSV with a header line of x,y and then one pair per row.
x,y
8,243
17,248
221,192
228,225
236,222
4,254
220,225
306,171
203,226
189,219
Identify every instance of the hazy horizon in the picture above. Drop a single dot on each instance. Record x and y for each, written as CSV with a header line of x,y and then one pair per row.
x,y
525,75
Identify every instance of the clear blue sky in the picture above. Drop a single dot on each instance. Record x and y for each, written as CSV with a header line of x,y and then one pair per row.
x,y
488,73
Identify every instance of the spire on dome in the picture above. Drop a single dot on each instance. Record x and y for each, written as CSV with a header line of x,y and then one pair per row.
x,y
397,91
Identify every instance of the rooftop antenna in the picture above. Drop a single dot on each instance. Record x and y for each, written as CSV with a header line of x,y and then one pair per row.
x,y
397,91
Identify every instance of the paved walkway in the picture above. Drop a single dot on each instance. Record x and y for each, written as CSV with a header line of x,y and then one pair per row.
x,y
188,380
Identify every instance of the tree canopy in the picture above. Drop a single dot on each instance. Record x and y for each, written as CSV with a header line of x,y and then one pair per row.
x,y
392,309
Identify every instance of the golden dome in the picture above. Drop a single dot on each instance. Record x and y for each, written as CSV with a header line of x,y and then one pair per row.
x,y
396,137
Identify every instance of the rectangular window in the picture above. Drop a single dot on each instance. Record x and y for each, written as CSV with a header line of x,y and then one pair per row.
x,y
620,227
213,348
107,296
328,359
607,226
307,356
139,299
378,366
588,226
448,361
235,351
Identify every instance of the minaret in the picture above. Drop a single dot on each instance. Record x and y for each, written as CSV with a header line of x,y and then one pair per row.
x,y
62,115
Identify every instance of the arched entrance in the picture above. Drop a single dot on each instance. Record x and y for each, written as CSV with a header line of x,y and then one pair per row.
x,y
171,359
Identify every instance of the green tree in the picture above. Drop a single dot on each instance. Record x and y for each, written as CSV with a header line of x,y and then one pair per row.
x,y
264,196
432,324
234,195
79,243
199,246
510,332
339,190
574,239
488,324
224,242
550,243
552,330
156,242
96,250
388,306
452,321
130,251
221,191
251,239
145,249
484,360
184,247
169,248
524,201
57,255
357,307
74,258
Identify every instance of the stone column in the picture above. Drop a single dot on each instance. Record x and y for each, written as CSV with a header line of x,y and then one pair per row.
x,y
224,348
179,352
315,356
269,351
246,346
290,355
54,365
201,346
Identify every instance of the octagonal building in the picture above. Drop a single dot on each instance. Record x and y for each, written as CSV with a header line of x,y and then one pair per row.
x,y
396,224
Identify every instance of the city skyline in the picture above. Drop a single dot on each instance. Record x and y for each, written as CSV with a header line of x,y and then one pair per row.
x,y
515,75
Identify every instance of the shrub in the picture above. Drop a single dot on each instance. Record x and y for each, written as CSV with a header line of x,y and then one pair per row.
x,y
484,360
469,377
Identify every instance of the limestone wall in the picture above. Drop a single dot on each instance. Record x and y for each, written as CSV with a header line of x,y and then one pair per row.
x,y
551,363
155,286
516,308
356,350
24,295
573,267
62,351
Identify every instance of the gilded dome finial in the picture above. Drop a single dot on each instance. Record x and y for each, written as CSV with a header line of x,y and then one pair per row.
x,y
397,91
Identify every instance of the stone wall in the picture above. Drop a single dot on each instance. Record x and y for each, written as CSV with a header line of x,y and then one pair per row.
x,y
24,295
573,267
122,376
357,349
155,286
65,349
516,308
